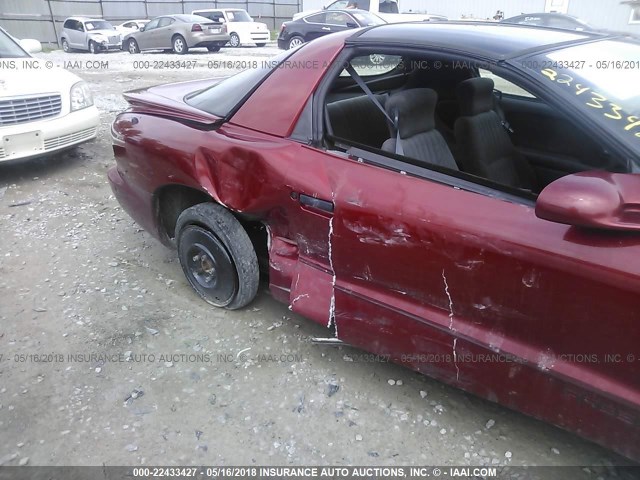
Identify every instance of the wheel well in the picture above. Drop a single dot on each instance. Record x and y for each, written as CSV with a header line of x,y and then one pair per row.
x,y
172,200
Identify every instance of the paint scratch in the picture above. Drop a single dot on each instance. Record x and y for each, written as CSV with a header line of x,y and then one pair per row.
x,y
304,295
455,359
332,304
446,291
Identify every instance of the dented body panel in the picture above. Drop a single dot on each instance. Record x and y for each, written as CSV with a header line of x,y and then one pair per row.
x,y
472,290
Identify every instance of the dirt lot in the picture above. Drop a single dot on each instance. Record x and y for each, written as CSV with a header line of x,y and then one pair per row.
x,y
174,381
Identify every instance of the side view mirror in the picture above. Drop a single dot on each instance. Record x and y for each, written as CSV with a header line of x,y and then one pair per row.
x,y
30,45
597,199
352,25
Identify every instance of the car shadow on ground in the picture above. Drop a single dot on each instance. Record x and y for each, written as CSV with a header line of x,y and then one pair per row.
x,y
14,171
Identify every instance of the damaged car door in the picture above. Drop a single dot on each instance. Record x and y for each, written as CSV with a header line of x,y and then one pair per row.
x,y
479,292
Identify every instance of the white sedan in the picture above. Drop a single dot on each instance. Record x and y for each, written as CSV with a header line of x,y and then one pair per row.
x,y
39,117
131,26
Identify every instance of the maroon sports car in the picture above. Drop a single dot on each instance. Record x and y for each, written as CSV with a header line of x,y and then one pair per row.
x,y
469,205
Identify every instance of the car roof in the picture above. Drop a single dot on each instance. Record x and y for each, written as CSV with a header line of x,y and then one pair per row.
x,y
219,10
346,10
544,14
496,41
86,19
341,10
185,17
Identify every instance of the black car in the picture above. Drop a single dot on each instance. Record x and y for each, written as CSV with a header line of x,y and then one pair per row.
x,y
318,24
554,20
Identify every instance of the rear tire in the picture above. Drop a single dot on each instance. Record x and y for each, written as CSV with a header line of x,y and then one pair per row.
x,y
234,41
295,41
217,256
179,45
132,46
65,46
214,49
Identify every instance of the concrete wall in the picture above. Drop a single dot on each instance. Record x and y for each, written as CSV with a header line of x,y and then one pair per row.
x,y
43,19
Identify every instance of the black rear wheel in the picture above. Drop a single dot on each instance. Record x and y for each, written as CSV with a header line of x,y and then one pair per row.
x,y
295,42
217,256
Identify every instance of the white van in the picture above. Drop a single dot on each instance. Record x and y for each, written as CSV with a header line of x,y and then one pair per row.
x,y
241,27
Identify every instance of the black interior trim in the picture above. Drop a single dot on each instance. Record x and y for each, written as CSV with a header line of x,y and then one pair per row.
x,y
444,176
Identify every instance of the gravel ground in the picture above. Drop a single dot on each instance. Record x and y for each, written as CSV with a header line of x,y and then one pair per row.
x,y
174,381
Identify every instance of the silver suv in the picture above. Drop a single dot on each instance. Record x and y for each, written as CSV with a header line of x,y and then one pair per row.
x,y
92,34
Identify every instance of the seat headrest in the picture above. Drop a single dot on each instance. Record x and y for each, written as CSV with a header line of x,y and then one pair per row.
x,y
475,96
444,83
415,109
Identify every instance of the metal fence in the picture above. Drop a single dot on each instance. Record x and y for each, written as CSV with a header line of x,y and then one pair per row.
x,y
43,19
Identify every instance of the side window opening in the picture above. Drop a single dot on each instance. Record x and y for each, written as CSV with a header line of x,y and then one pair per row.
x,y
316,18
440,111
388,6
340,4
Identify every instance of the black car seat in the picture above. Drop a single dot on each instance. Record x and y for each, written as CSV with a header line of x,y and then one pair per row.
x,y
359,120
414,113
443,81
484,145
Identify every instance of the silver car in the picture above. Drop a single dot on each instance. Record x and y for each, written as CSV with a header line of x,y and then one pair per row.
x,y
91,34
178,33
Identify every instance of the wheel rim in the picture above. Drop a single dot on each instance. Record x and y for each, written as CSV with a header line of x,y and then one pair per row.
x,y
178,45
65,46
208,266
295,42
92,47
235,40
132,46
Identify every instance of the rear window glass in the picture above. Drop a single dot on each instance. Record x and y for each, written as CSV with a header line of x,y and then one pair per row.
x,y
238,16
98,25
388,6
189,18
223,97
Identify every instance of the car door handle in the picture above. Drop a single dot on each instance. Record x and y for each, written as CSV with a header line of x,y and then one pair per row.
x,y
326,28
316,203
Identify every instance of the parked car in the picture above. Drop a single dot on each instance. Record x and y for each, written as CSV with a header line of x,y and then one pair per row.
x,y
389,10
178,33
241,27
39,117
296,32
555,20
90,34
131,26
487,239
